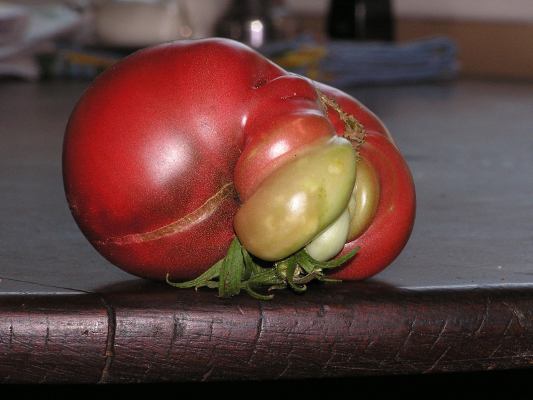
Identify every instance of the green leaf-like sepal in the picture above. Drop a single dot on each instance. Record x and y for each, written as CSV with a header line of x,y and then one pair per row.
x,y
202,280
231,271
238,271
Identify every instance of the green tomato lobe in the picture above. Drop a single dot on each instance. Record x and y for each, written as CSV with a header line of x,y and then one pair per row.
x,y
298,200
331,241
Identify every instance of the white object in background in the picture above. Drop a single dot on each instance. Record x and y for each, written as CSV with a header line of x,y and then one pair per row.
x,y
140,23
22,66
13,22
204,14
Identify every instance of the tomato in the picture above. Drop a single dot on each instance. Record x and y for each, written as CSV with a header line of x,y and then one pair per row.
x,y
177,148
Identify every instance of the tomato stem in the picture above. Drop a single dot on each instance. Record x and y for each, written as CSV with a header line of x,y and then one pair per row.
x,y
238,271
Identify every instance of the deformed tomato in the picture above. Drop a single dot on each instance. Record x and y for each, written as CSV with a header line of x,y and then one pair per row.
x,y
176,149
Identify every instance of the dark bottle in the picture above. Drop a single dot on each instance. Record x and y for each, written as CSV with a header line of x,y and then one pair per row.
x,y
361,20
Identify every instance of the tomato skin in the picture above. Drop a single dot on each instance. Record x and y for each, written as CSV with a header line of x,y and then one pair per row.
x,y
393,222
146,147
163,148
159,134
282,138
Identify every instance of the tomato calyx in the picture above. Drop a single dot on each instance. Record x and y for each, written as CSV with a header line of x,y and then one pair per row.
x,y
238,271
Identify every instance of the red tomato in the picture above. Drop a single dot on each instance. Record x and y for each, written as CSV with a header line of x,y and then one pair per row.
x,y
165,147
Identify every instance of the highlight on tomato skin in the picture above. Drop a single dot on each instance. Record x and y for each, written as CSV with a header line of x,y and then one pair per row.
x,y
178,148
271,144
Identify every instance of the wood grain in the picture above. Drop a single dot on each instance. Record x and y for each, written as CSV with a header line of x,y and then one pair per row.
x,y
145,332
51,339
352,329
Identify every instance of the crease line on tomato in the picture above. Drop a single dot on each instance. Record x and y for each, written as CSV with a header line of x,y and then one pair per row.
x,y
198,215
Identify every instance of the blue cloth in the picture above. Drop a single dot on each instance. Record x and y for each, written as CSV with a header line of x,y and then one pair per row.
x,y
351,63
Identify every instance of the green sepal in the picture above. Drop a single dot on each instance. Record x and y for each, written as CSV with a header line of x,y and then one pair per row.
x,y
257,295
231,271
250,267
336,262
202,280
238,271
294,283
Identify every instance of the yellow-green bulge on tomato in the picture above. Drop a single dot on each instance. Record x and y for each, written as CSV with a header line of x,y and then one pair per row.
x,y
298,201
331,240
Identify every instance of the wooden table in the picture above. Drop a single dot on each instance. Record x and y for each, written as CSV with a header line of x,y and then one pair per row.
x,y
459,298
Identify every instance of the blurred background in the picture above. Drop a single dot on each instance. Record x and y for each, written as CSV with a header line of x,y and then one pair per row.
x,y
341,42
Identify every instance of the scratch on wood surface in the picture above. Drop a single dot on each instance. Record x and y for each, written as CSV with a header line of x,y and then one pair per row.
x,y
287,367
322,311
211,363
502,338
110,341
209,372
147,369
369,345
493,353
406,340
332,354
439,335
258,333
48,372
11,334
507,327
47,335
484,318
211,330
177,330
45,285
518,314
438,360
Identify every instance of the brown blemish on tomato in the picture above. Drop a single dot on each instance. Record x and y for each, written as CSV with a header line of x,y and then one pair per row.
x,y
353,129
198,215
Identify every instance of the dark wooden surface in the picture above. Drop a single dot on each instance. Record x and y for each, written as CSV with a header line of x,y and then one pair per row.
x,y
459,298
